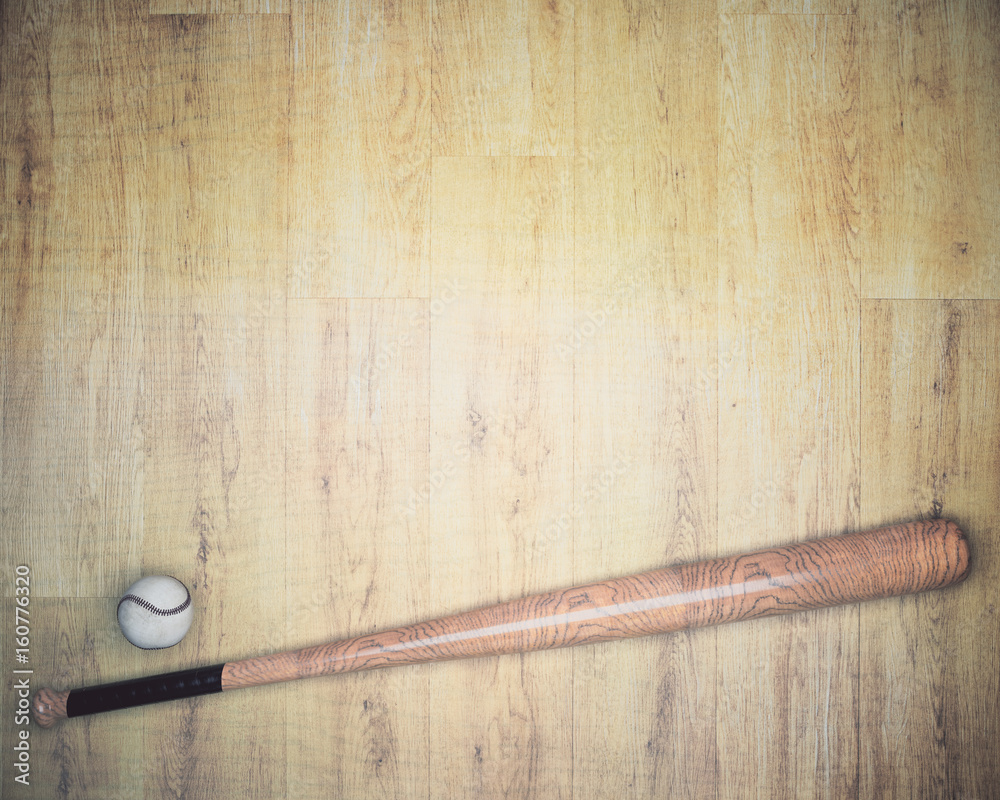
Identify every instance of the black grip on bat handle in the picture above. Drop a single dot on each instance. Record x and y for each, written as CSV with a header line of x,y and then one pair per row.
x,y
49,706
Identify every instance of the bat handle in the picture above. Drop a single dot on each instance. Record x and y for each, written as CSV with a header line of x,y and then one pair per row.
x,y
49,706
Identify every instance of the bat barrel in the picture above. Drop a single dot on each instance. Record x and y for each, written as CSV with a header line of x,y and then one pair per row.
x,y
838,570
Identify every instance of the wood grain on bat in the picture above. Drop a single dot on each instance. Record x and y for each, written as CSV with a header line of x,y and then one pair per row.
x,y
891,561
862,566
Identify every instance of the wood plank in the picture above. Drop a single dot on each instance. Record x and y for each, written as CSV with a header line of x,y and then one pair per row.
x,y
501,465
73,179
214,377
503,78
71,124
357,420
643,346
931,433
218,7
360,150
788,7
788,390
931,181
27,141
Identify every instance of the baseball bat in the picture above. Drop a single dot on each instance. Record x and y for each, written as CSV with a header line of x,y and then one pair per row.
x,y
837,570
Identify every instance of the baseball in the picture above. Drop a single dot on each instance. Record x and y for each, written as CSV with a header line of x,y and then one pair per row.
x,y
155,612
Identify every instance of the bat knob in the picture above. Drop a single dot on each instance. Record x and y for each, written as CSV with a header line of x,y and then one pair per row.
x,y
48,707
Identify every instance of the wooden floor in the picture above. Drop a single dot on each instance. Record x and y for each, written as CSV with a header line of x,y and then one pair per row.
x,y
350,315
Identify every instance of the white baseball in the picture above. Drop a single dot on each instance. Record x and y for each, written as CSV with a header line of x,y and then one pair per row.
x,y
155,612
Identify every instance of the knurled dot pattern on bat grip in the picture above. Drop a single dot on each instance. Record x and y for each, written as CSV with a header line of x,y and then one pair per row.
x,y
144,691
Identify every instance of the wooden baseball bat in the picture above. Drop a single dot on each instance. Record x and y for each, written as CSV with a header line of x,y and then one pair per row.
x,y
891,561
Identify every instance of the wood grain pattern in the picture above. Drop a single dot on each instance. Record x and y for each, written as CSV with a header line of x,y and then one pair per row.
x,y
72,449
219,6
643,349
931,109
788,6
359,219
788,321
357,421
214,371
503,78
735,181
500,456
932,380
